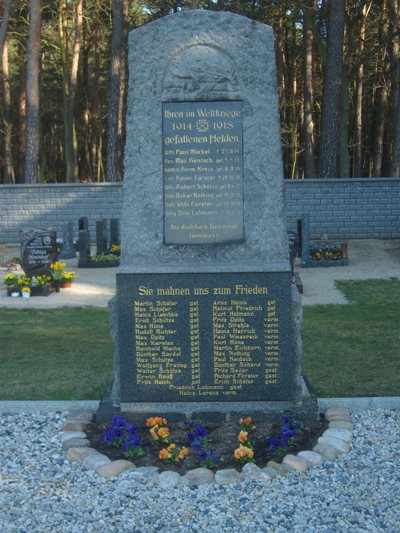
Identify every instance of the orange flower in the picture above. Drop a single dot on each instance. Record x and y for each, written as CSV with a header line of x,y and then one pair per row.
x,y
247,452
163,432
164,454
159,420
153,434
243,436
247,421
183,453
238,453
150,422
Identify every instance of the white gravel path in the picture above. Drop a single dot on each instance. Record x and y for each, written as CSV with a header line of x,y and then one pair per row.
x,y
40,492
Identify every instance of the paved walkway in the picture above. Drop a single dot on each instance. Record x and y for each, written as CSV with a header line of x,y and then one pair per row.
x,y
369,259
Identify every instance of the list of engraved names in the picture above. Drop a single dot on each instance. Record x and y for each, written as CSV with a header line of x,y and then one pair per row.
x,y
206,341
203,172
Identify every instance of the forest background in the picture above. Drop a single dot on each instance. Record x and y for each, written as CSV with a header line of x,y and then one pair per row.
x,y
63,83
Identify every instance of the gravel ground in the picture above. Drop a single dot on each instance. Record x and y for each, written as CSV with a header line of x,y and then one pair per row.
x,y
41,492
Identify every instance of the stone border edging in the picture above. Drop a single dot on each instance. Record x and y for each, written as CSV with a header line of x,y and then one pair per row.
x,y
333,442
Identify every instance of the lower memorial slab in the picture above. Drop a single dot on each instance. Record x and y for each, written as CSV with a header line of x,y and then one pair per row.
x,y
209,337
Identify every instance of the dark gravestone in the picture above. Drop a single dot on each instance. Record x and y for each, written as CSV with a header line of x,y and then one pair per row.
x,y
68,249
205,316
114,231
84,248
305,239
101,236
83,224
38,250
293,248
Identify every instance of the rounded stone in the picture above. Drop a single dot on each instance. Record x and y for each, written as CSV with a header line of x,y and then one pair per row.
x,y
337,411
280,469
343,424
228,476
66,435
270,472
199,476
252,471
312,458
74,425
93,461
338,433
295,463
115,468
326,450
169,479
341,445
344,418
75,443
78,454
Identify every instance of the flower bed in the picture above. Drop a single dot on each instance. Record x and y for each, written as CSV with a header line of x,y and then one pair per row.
x,y
326,255
213,445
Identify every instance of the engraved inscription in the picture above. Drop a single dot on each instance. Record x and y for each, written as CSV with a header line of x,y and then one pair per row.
x,y
207,341
203,172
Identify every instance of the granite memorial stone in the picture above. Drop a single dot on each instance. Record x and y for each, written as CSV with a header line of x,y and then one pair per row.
x,y
101,236
68,249
205,315
38,250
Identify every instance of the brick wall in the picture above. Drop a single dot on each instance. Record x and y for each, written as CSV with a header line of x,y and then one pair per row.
x,y
341,208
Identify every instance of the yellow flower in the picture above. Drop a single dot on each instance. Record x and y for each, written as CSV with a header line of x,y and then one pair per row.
x,y
153,434
172,447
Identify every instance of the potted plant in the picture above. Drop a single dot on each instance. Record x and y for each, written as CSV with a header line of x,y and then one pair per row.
x,y
26,292
40,285
57,272
11,282
67,280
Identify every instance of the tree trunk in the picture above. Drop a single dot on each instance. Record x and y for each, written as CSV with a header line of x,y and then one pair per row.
x,y
21,115
32,94
72,148
8,171
114,162
308,88
332,90
344,155
357,158
395,16
4,24
381,103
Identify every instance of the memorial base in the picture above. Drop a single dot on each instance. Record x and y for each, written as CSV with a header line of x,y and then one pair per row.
x,y
209,411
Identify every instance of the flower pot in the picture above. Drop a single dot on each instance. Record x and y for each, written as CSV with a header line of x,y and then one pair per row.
x,y
26,294
57,285
66,284
13,290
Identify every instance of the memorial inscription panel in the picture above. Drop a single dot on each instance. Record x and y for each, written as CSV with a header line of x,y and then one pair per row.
x,y
218,340
203,172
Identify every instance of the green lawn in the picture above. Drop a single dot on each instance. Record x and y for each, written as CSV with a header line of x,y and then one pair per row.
x,y
55,354
349,350
354,350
